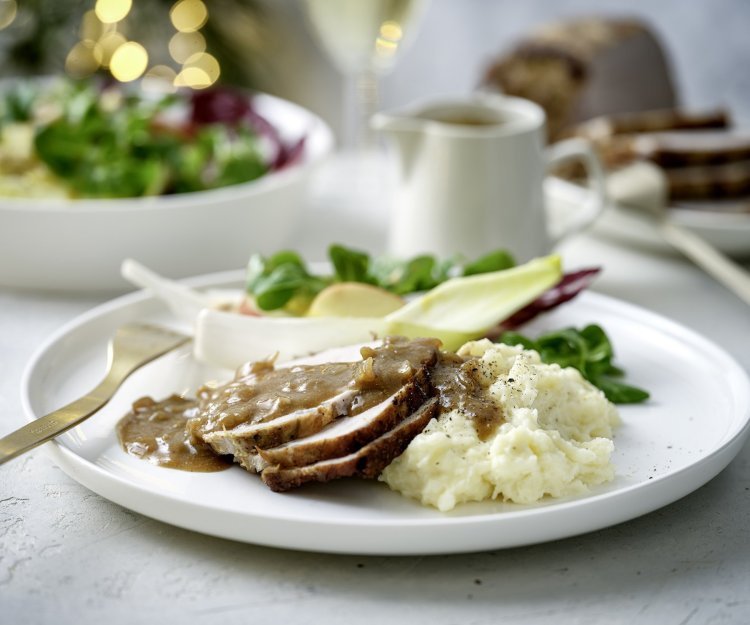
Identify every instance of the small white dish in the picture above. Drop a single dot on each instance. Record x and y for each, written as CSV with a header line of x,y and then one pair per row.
x,y
695,423
78,245
727,232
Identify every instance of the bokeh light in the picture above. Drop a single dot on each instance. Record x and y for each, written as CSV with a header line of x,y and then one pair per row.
x,y
81,61
389,37
159,79
106,46
111,11
128,61
391,31
200,71
8,12
103,45
188,15
184,45
91,27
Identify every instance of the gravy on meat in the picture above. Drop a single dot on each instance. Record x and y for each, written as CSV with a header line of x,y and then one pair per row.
x,y
169,432
263,393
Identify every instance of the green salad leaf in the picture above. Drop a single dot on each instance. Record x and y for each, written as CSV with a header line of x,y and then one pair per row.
x,y
282,278
17,104
590,351
494,261
350,265
276,281
118,147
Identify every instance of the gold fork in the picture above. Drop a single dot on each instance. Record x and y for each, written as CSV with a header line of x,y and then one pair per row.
x,y
132,346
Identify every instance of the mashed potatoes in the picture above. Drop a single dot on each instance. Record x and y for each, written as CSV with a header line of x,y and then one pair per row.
x,y
555,439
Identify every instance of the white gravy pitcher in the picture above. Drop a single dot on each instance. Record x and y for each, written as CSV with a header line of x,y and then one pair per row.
x,y
472,172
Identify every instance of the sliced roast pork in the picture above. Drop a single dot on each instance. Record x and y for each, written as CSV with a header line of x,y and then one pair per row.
x,y
267,407
346,436
245,438
367,462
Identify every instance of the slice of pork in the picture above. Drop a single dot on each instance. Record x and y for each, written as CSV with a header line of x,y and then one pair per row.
x,y
243,440
347,435
348,353
368,462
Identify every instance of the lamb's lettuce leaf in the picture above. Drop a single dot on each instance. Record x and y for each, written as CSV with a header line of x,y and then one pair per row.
x,y
590,351
285,272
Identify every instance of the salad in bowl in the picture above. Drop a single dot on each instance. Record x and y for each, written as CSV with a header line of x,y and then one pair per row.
x,y
91,174
83,140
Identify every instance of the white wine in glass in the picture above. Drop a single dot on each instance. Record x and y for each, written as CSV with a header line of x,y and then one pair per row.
x,y
363,39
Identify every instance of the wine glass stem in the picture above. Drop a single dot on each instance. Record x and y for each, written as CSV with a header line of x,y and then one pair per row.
x,y
361,103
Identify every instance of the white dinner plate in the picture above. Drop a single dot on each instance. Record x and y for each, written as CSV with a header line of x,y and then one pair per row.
x,y
695,423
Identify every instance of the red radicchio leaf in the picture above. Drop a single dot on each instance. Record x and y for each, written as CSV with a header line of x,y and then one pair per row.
x,y
218,106
570,285
222,105
289,155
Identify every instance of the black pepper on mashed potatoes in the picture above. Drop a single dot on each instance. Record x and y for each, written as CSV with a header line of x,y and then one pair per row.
x,y
555,438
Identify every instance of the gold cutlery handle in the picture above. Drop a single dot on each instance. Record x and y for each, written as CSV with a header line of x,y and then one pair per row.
x,y
133,346
55,423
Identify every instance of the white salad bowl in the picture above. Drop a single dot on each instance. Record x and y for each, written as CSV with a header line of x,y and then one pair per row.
x,y
78,245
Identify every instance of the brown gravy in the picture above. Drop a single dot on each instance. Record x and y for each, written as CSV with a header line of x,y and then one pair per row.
x,y
169,432
457,384
262,392
471,121
155,432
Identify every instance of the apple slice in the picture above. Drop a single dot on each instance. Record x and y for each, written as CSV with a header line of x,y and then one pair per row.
x,y
354,299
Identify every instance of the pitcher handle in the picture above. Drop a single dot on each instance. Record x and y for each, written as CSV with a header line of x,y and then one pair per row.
x,y
581,150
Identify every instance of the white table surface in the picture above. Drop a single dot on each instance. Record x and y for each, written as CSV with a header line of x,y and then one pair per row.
x,y
69,556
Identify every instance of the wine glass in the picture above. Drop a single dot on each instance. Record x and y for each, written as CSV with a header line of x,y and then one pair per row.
x,y
363,39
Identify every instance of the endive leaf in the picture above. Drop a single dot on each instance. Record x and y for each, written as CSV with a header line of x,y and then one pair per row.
x,y
465,308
